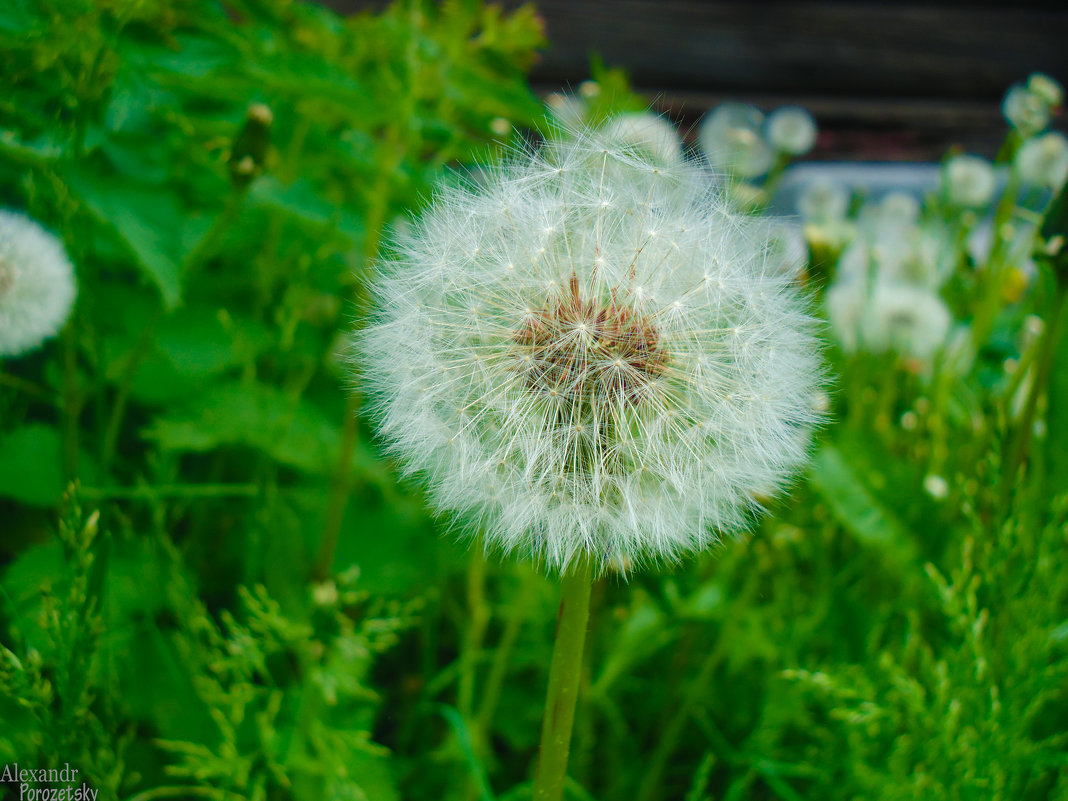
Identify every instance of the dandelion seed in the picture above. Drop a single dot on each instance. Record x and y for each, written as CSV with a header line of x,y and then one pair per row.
x,y
37,286
625,408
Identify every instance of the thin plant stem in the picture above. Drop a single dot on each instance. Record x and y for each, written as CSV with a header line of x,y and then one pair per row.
x,y
1020,442
476,619
564,674
672,733
499,666
339,495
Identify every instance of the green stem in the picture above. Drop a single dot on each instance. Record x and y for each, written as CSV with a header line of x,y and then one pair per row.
x,y
477,618
499,667
1019,444
564,674
339,493
672,733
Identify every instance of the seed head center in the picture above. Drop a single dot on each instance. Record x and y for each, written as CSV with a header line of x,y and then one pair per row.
x,y
589,351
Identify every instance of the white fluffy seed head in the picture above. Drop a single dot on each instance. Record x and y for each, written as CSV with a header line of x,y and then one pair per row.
x,y
1047,89
1043,161
791,130
823,202
590,357
731,139
968,181
1026,110
37,286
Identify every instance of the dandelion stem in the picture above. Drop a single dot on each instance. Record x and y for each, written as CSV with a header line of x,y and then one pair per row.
x,y
564,673
1020,441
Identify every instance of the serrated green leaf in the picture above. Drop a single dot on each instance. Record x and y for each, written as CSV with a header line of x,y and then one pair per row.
x,y
293,433
158,230
856,505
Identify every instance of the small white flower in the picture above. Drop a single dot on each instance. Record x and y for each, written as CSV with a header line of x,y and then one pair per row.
x,y
823,202
968,181
649,133
791,130
37,286
731,140
590,356
1046,89
1025,110
1043,161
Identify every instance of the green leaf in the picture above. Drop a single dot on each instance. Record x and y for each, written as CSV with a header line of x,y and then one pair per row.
x,y
293,433
856,505
155,226
31,466
1057,418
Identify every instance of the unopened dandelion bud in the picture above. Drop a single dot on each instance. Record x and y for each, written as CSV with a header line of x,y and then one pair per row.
x,y
37,287
589,359
249,154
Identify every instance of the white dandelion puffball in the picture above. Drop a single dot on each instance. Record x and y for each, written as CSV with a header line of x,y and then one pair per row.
x,y
969,181
590,357
906,318
791,130
731,140
1043,161
823,201
1027,111
37,286
649,133
1046,89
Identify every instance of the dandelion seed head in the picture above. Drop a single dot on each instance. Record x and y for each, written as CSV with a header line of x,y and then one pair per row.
x,y
1043,161
633,394
1026,110
791,130
37,286
969,181
731,140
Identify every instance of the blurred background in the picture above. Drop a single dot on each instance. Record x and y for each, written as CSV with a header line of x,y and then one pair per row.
x,y
886,81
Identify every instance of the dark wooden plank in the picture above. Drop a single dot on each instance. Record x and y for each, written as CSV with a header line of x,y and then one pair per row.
x,y
885,80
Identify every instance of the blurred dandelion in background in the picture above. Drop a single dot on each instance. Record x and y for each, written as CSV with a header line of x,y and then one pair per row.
x,y
732,140
37,287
